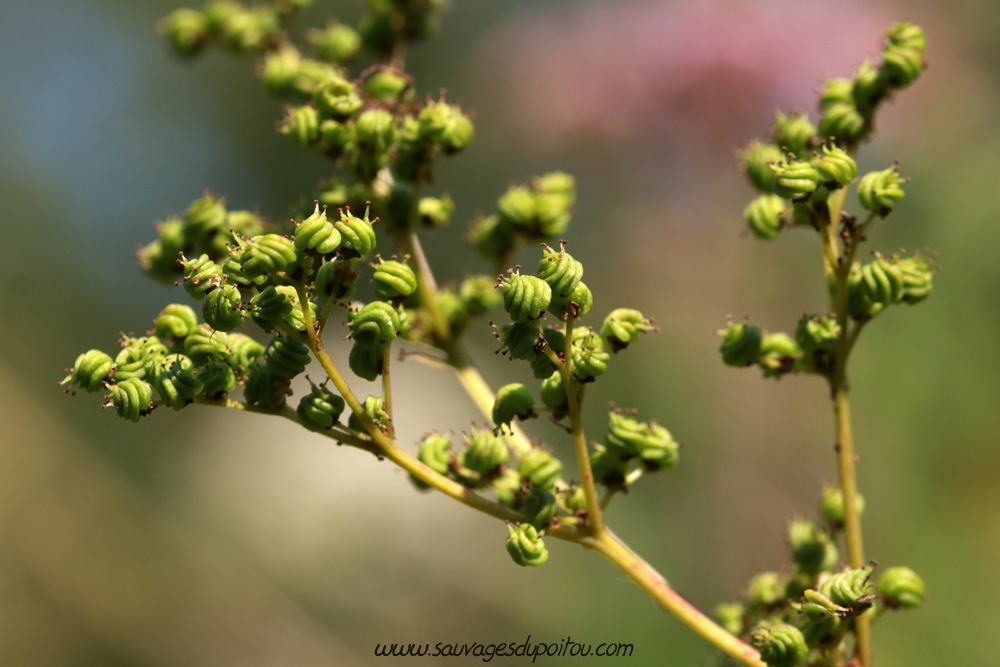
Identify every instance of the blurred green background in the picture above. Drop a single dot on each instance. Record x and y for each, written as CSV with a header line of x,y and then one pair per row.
x,y
216,539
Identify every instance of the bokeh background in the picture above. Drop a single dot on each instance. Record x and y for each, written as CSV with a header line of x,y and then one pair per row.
x,y
215,539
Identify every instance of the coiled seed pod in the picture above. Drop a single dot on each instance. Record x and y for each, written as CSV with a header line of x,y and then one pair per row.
x,y
870,87
270,306
509,488
731,616
832,506
878,191
334,138
836,91
559,270
435,453
393,280
526,546
517,206
131,398
479,295
374,407
903,56
218,379
435,211
279,70
577,304
740,344
376,322
540,468
525,297
186,31
158,259
764,590
176,383
494,237
375,131
809,545
819,607
918,276
175,321
513,400
850,588
388,86
205,217
757,159
553,213
358,234
233,273
765,216
576,499
795,180
541,366
301,125
205,344
520,340
337,42
366,360
589,357
817,332
446,125
267,254
794,132
336,280
316,233
625,435
778,354
901,588
623,326
658,450
539,507
337,100
607,468
780,644
286,357
320,409
221,309
139,358
486,453
842,122
883,283
241,351
90,371
201,275
836,168
553,393
264,388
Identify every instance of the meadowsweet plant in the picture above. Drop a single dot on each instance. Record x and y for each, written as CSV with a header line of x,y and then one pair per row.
x,y
350,98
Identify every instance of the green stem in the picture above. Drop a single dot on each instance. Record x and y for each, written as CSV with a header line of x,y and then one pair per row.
x,y
387,386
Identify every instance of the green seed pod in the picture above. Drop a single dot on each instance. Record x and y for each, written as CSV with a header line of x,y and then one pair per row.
x,y
265,389
286,357
508,487
221,309
817,332
176,383
883,283
205,217
131,398
589,357
836,91
187,31
808,543
447,126
336,280
757,159
376,322
175,321
451,308
375,131
764,590
435,453
217,12
375,410
316,233
850,588
242,351
870,86
878,191
794,133
557,183
486,453
795,180
836,168
553,213
494,237
778,354
139,358
658,450
525,546
539,507
271,305
205,344
244,223
765,216
741,344
320,409
267,254
520,340
334,138
525,297
158,259
201,275
608,469
217,378
576,305
518,206
842,122
366,360
902,65
301,125
907,34
90,371
819,607
338,100
832,506
479,295
338,43
435,211
251,29
576,499
540,468
918,276
358,234
513,400
553,393
731,616
623,326
393,280
388,86
625,435
901,588
280,70
233,273
780,644
559,270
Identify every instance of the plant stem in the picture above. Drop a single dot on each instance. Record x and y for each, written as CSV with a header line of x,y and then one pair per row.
x,y
387,386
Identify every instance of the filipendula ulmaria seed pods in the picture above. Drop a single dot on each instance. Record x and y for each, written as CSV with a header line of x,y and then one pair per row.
x,y
486,452
764,590
525,297
358,234
740,344
446,125
201,275
131,398
539,507
186,31
393,280
279,70
375,131
778,354
607,469
836,168
435,211
730,615
286,357
589,358
757,159
780,644
765,216
901,588
918,276
658,450
158,259
526,546
559,270
817,606
625,435
374,407
317,233
553,393
217,378
90,371
810,545
241,351
878,191
175,321
870,87
176,383
795,179
851,588
435,453
540,468
577,304
623,326
842,122
205,217
337,100
205,344
903,56
478,295
320,409
520,340
138,358
512,400
517,206
388,85
817,334
835,91
267,254
883,282
367,360
271,305
337,43
301,125
832,506
376,322
265,388
221,309
509,488
794,133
